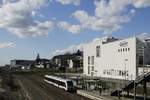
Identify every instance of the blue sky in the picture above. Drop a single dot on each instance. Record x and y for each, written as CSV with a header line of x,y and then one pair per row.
x,y
50,27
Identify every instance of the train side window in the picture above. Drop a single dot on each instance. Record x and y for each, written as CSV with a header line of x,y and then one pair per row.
x,y
62,84
59,83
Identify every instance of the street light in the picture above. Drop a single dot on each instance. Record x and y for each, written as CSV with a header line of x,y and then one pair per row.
x,y
143,47
125,73
125,69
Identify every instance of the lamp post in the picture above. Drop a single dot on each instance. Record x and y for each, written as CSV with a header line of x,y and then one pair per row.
x,y
125,73
125,68
143,47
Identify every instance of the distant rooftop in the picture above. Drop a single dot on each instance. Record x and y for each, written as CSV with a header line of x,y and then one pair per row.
x,y
108,39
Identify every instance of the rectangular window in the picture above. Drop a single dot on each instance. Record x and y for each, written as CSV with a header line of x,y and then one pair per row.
x,y
92,68
88,60
128,49
92,60
98,51
88,69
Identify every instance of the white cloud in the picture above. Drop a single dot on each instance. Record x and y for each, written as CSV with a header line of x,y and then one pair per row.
x,y
141,3
71,49
143,36
7,45
66,2
69,27
17,17
109,15
41,29
111,8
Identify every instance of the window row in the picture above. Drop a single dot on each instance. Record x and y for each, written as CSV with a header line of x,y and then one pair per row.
x,y
56,81
116,72
123,49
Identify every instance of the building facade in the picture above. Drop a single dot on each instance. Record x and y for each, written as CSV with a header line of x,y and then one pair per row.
x,y
41,62
113,58
70,61
21,64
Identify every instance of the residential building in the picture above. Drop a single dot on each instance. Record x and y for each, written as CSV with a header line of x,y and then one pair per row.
x,y
74,60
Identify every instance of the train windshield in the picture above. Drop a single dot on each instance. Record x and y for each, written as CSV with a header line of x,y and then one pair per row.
x,y
70,83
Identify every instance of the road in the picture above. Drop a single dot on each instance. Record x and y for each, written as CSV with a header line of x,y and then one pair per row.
x,y
36,89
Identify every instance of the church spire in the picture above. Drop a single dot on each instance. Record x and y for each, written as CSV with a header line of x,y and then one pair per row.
x,y
38,58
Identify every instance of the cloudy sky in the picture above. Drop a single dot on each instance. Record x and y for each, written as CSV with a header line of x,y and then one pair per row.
x,y
50,27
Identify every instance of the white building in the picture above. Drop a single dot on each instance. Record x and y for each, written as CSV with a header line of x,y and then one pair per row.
x,y
21,64
113,58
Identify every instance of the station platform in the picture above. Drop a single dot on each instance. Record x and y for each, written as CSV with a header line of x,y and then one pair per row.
x,y
94,95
